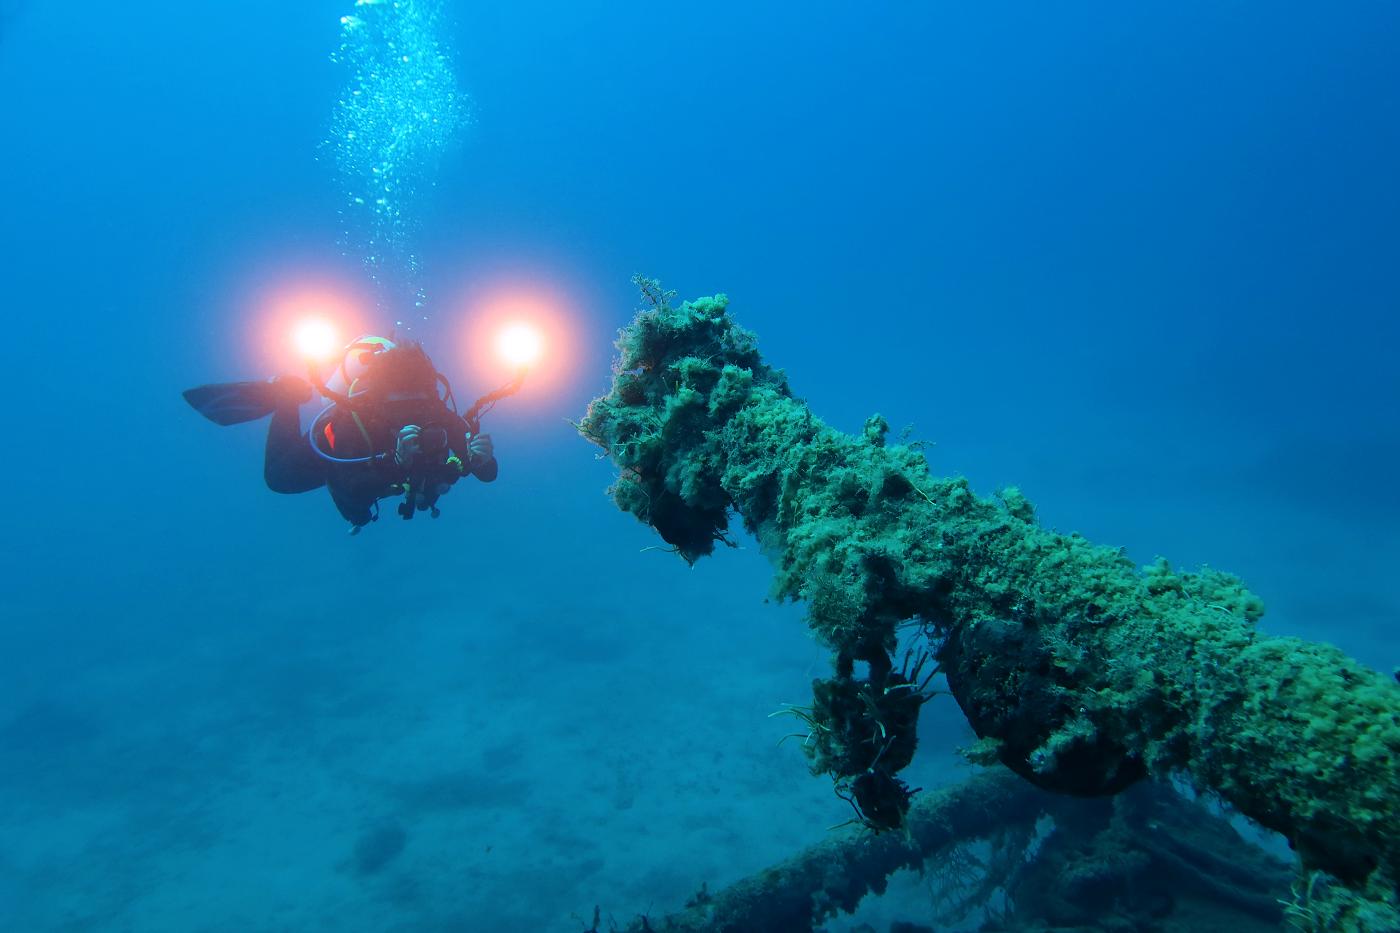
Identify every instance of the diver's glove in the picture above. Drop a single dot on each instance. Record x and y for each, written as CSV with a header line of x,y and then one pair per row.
x,y
407,447
479,448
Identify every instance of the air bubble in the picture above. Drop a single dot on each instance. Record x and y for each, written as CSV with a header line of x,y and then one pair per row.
x,y
401,113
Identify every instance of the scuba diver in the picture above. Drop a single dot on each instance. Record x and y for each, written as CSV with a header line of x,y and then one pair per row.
x,y
390,428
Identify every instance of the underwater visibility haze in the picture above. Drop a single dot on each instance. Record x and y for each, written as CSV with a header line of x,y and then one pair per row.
x,y
933,467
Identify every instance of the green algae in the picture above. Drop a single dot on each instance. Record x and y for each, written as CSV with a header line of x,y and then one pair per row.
x,y
1080,671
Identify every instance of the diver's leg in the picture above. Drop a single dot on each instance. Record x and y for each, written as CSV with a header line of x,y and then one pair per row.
x,y
289,463
355,501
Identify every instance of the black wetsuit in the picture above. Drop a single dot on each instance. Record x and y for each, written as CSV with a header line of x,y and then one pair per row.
x,y
291,465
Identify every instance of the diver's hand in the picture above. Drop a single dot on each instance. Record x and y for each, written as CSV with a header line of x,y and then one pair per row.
x,y
480,448
406,447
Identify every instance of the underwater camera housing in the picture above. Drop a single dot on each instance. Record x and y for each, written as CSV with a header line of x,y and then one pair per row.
x,y
431,473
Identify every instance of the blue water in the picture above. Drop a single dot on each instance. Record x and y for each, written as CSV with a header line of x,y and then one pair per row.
x,y
1139,260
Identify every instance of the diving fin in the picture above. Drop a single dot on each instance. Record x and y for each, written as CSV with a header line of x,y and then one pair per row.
x,y
234,402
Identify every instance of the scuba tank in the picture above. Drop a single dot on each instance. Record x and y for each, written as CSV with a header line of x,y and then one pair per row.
x,y
343,388
354,363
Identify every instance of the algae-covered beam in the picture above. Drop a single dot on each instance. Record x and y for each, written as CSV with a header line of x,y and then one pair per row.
x,y
833,876
1140,861
1080,671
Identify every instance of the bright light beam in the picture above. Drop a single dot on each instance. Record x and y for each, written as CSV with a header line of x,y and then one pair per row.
x,y
519,345
316,339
